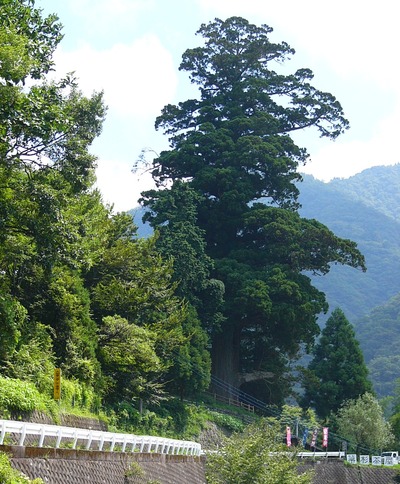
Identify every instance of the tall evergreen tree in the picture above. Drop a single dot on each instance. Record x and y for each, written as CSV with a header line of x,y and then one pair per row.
x,y
337,371
233,146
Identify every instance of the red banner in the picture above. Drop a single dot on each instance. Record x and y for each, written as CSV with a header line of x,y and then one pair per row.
x,y
288,437
325,437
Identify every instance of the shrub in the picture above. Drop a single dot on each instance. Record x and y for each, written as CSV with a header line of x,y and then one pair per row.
x,y
8,475
17,397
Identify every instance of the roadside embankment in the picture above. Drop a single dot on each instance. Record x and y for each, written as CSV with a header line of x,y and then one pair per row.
x,y
68,466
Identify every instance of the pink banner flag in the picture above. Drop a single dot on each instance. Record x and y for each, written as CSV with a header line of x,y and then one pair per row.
x,y
325,437
288,437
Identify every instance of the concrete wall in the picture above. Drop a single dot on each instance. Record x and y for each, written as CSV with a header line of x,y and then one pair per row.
x,y
336,472
66,466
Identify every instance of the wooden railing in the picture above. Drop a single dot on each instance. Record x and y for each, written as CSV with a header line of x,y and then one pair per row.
x,y
232,401
55,436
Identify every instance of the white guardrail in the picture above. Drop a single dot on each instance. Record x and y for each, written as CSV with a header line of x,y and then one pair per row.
x,y
305,455
107,441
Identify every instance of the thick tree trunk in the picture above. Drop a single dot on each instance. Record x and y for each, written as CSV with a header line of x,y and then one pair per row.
x,y
226,361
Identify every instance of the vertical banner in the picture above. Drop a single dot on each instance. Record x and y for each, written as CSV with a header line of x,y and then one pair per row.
x,y
314,438
325,437
305,435
57,383
288,437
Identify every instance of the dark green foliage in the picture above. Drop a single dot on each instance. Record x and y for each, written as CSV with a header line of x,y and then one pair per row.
x,y
128,358
174,213
337,372
231,147
133,282
76,289
191,368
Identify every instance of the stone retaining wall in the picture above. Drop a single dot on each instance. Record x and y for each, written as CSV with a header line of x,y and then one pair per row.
x,y
67,466
333,471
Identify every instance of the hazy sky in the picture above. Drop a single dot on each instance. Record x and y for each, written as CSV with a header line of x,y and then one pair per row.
x,y
132,49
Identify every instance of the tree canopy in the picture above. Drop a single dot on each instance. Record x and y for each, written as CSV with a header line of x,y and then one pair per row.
x,y
255,456
77,289
361,421
232,147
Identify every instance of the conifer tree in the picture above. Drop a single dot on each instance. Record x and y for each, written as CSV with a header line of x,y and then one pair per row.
x,y
232,147
337,372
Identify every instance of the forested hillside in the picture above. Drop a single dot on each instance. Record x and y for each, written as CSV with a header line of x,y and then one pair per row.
x,y
347,207
365,208
379,336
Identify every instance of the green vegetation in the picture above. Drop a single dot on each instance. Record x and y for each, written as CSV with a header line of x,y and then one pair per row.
x,y
135,324
8,475
366,220
255,457
337,372
362,422
379,338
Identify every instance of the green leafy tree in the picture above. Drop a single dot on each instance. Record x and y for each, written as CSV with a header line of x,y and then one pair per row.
x,y
254,457
361,421
33,358
191,369
337,372
134,282
174,214
53,225
232,146
128,357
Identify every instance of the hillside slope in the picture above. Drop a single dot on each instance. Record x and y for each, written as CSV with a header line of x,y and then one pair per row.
x,y
342,206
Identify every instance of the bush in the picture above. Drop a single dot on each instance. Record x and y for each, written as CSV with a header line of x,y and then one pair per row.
x,y
8,475
255,457
227,422
18,397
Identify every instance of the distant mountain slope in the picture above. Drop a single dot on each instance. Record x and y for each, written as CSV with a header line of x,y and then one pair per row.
x,y
379,337
377,187
344,207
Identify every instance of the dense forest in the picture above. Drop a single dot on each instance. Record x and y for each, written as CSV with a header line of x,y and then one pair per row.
x,y
224,288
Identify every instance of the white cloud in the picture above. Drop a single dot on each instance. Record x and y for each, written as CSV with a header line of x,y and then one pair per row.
x,y
348,158
357,37
105,9
119,186
138,79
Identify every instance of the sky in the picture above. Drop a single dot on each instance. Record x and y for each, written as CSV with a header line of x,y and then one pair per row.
x,y
132,49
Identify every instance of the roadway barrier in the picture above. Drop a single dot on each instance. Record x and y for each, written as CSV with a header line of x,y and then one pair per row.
x,y
55,436
311,455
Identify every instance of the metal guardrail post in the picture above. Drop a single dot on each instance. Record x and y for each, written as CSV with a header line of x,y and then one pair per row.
x,y
23,434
